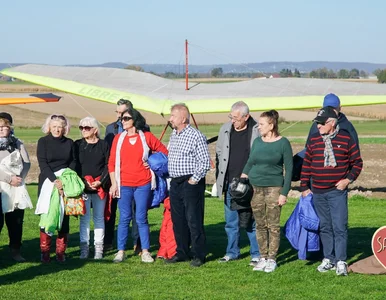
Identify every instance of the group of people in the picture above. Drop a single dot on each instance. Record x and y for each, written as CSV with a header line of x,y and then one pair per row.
x,y
116,173
255,152
113,172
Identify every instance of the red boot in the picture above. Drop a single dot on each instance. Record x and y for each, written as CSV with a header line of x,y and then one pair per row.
x,y
45,244
61,245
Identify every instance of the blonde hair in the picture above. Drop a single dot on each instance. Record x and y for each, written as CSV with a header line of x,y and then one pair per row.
x,y
56,117
92,122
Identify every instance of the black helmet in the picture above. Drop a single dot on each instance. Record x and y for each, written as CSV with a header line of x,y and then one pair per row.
x,y
241,190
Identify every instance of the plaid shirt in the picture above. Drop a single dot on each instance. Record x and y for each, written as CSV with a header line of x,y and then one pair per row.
x,y
188,154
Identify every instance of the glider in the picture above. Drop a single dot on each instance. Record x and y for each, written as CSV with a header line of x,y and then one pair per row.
x,y
16,98
155,94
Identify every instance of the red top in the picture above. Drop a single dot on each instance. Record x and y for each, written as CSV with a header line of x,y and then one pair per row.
x,y
133,172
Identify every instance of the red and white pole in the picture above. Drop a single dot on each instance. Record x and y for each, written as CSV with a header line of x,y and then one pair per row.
x,y
186,67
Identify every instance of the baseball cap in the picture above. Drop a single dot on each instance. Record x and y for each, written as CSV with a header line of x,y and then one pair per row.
x,y
331,100
324,114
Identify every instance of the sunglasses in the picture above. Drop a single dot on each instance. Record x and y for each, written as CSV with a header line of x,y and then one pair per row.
x,y
58,117
323,123
87,128
126,118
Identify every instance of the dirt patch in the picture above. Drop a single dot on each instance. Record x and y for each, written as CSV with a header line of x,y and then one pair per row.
x,y
370,183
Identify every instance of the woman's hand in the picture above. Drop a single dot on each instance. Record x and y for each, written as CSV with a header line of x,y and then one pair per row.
x,y
243,175
58,184
146,164
15,180
96,184
305,193
114,190
282,200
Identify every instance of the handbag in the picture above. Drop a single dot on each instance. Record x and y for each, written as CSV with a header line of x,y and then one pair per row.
x,y
75,206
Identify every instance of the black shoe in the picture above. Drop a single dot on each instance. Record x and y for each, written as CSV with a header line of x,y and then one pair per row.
x,y
175,259
196,262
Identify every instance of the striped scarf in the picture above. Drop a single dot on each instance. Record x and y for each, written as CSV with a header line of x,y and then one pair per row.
x,y
329,157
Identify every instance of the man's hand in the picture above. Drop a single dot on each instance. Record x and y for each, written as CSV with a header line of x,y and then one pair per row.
x,y
305,193
243,175
342,184
192,181
15,180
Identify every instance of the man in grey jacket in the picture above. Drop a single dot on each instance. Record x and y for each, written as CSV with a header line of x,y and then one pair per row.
x,y
232,151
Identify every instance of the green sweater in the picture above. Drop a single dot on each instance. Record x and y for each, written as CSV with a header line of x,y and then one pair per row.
x,y
266,161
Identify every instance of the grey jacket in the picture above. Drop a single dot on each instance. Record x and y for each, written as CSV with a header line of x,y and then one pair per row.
x,y
222,153
26,162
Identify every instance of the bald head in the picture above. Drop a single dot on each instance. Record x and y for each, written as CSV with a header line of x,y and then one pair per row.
x,y
179,116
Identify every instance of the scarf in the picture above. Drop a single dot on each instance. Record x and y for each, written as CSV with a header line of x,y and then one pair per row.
x,y
329,157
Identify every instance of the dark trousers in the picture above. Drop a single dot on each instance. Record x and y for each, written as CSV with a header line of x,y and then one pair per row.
x,y
110,225
187,207
14,222
332,211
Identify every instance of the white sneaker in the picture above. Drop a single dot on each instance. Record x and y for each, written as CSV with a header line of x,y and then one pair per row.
x,y
146,257
119,257
270,266
260,266
341,268
326,266
254,261
226,258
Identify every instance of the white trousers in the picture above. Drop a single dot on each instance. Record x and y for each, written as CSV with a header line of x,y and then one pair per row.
x,y
98,209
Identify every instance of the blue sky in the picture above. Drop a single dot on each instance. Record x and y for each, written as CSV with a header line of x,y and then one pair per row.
x,y
88,32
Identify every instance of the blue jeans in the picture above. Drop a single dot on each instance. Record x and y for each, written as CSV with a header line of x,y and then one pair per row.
x,y
232,230
142,197
332,211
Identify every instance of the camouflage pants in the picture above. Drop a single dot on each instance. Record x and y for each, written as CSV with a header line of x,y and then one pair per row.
x,y
266,212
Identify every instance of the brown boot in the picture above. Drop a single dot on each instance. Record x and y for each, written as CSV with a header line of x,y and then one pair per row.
x,y
45,245
16,256
61,246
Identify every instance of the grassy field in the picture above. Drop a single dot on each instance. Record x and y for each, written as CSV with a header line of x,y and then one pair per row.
x,y
297,131
294,279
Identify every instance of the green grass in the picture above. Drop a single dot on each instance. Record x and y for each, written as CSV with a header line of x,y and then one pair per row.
x,y
294,279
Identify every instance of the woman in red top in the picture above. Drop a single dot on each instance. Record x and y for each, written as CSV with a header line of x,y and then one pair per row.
x,y
131,179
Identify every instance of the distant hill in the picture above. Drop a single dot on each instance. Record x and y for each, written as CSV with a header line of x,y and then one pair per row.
x,y
264,67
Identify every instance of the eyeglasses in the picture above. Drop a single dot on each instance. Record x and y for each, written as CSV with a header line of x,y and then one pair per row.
x,y
232,118
87,128
126,118
58,117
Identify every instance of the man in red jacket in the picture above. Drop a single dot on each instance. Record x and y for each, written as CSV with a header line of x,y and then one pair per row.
x,y
332,161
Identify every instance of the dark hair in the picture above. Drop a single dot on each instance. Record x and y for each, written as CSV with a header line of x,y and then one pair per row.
x,y
139,121
125,102
273,118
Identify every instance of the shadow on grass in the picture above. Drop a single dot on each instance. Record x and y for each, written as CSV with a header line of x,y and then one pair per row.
x,y
31,252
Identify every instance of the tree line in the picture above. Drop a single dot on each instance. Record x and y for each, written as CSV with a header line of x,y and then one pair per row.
x,y
322,73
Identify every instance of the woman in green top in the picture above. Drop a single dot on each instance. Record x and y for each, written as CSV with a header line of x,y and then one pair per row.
x,y
270,155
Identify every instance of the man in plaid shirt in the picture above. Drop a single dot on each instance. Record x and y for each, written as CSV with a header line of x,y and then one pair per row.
x,y
188,164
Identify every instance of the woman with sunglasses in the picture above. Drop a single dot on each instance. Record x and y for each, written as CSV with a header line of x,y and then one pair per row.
x,y
131,179
14,166
54,155
270,155
92,155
